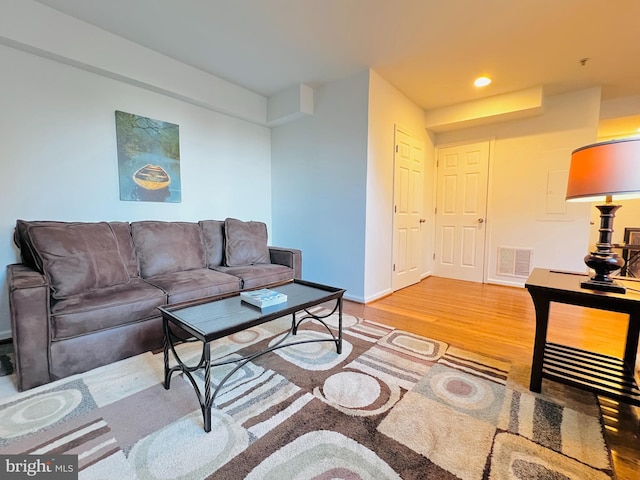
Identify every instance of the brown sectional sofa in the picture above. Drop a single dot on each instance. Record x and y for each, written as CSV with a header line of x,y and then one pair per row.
x,y
86,294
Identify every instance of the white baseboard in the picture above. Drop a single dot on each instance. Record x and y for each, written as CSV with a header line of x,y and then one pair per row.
x,y
378,295
506,283
353,298
369,298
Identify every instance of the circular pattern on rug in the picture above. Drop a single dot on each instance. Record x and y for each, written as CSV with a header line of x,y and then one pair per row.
x,y
358,394
348,321
323,455
245,336
461,390
162,455
351,389
318,356
38,412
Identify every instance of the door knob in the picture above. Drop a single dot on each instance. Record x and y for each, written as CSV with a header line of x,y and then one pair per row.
x,y
481,220
422,220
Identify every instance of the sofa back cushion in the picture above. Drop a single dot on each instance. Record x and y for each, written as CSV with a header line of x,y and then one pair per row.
x,y
77,257
28,254
245,243
167,247
213,237
122,231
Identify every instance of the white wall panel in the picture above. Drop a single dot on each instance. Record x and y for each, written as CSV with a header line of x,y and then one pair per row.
x,y
468,246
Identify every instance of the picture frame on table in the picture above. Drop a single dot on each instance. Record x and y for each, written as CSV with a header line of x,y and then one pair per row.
x,y
631,252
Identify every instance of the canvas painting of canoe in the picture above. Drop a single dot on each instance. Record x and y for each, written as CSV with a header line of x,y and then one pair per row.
x,y
148,159
152,177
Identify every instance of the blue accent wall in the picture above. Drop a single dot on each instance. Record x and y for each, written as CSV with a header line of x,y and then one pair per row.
x,y
319,171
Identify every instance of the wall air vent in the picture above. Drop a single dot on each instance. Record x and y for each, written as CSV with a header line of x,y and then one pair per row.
x,y
514,261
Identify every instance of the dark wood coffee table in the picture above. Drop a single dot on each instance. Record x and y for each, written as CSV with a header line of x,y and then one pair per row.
x,y
216,317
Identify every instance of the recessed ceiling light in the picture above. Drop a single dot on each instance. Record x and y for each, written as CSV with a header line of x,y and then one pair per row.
x,y
482,81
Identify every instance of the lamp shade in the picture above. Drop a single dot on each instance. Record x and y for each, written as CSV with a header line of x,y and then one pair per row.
x,y
605,169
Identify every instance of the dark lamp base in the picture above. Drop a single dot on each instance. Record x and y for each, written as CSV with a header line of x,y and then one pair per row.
x,y
612,286
603,261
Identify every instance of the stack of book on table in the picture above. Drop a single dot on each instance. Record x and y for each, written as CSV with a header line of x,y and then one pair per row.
x,y
263,297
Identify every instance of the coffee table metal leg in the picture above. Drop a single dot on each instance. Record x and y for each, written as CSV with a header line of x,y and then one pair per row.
x,y
206,407
205,361
339,342
165,345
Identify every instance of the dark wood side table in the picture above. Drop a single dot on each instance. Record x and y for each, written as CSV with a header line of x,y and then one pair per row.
x,y
602,374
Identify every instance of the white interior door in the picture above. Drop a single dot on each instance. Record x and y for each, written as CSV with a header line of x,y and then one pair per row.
x,y
408,182
461,209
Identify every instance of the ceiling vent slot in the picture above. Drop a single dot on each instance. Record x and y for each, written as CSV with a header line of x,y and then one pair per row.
x,y
514,261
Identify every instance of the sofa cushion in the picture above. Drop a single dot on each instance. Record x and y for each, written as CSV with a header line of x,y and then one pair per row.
x,y
167,247
85,352
254,276
122,231
21,238
78,257
245,243
213,236
105,308
30,257
195,284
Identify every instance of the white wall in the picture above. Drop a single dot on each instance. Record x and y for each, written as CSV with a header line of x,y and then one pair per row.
x,y
525,152
319,166
59,157
388,107
33,27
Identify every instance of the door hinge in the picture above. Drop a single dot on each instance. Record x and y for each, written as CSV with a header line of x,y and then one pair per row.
x,y
396,148
394,267
435,210
395,209
434,255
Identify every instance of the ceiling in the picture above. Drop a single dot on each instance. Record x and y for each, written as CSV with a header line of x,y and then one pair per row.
x,y
431,50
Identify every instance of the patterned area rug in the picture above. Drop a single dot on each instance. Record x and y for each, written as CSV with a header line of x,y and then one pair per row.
x,y
393,405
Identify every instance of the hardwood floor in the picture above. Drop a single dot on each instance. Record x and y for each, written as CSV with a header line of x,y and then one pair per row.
x,y
499,321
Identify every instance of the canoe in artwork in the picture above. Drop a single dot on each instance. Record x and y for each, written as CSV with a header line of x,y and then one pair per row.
x,y
151,177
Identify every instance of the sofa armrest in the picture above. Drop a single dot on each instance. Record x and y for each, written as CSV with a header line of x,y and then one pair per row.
x,y
29,311
289,257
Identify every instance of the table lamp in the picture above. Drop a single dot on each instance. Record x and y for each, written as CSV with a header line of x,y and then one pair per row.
x,y
599,172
